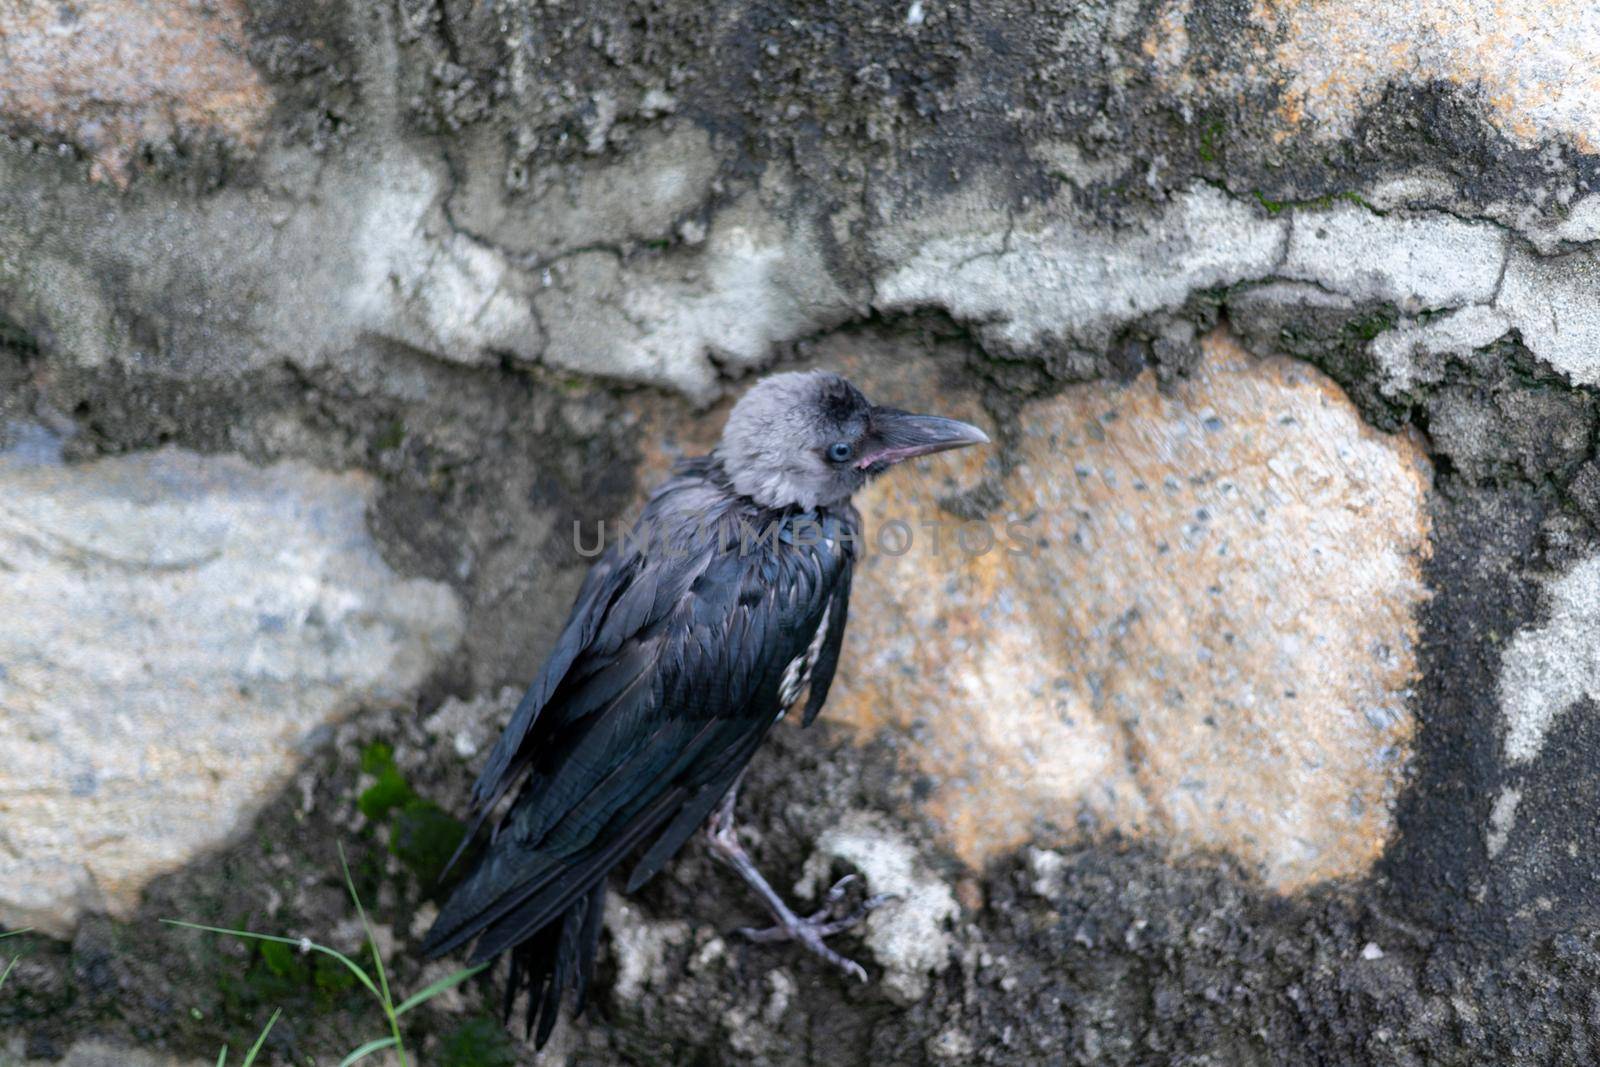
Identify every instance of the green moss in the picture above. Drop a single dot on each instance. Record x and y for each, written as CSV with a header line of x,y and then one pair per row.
x,y
477,1043
278,974
421,834
330,976
390,791
281,974
424,837
1368,326
1210,135
280,960
391,436
1274,207
377,757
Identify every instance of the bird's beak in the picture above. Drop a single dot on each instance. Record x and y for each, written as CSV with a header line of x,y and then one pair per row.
x,y
899,435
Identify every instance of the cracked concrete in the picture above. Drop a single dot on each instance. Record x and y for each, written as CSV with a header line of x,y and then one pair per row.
x,y
754,283
1404,353
1550,668
1049,278
655,193
1419,263
562,273
1555,303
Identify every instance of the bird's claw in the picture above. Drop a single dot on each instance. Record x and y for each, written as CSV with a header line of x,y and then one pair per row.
x,y
822,923
811,937
837,890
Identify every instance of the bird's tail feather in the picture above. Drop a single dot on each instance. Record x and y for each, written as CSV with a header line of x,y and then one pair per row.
x,y
562,952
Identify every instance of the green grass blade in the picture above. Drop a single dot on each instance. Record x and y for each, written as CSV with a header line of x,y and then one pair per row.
x,y
447,982
222,1057
368,1049
354,967
7,972
255,1049
372,940
377,959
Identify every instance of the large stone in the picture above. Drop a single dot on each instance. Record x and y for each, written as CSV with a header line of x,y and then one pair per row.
x,y
1531,63
95,1054
173,630
112,75
1195,623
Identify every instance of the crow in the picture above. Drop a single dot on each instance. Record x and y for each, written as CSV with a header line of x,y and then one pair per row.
x,y
690,638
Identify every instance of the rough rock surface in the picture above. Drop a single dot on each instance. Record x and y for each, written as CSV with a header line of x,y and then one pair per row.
x,y
178,629
500,262
907,934
95,1054
114,79
1190,615
1343,57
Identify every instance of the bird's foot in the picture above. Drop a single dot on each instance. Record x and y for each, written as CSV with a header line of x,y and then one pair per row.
x,y
812,930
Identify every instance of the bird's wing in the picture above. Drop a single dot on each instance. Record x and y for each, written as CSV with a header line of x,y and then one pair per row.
x,y
606,580
697,808
662,706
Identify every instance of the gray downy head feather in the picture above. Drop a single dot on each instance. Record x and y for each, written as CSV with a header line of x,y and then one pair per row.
x,y
809,438
775,444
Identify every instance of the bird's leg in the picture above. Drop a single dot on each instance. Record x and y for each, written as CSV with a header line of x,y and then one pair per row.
x,y
808,931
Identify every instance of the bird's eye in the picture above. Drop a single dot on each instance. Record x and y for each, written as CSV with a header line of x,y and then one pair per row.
x,y
840,451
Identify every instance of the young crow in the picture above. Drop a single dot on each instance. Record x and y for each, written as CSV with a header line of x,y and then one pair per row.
x,y
690,638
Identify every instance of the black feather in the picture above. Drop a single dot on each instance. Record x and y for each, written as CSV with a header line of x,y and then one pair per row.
x,y
832,643
657,693
717,777
589,943
541,907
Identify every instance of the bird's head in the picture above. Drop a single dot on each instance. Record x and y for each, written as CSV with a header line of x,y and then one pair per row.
x,y
810,438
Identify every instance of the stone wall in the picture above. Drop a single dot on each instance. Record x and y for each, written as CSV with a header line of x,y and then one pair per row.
x,y
1262,733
